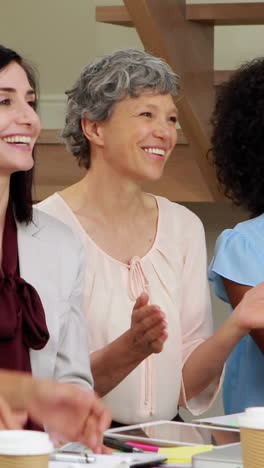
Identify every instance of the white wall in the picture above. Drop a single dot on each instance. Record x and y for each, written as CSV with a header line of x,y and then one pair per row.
x,y
61,36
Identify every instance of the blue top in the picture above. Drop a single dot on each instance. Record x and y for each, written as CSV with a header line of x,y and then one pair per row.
x,y
239,256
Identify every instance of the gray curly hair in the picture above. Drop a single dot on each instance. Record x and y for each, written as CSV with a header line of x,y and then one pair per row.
x,y
106,81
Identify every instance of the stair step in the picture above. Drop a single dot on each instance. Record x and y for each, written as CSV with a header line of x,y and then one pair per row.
x,y
226,13
216,13
113,15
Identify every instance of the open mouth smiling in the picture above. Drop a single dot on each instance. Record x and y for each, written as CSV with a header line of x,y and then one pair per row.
x,y
18,140
155,153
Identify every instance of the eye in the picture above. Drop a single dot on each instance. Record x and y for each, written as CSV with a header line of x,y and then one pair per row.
x,y
173,119
5,102
32,104
146,114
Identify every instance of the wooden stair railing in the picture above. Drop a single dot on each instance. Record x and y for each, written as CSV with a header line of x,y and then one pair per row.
x,y
226,13
213,13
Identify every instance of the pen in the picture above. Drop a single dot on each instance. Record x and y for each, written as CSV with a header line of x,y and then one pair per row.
x,y
120,445
144,447
72,457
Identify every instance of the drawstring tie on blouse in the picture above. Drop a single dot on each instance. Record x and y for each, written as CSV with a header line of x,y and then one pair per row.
x,y
137,280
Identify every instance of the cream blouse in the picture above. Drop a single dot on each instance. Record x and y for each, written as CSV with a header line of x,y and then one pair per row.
x,y
174,273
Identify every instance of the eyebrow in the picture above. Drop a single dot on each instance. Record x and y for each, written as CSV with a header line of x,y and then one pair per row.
x,y
13,90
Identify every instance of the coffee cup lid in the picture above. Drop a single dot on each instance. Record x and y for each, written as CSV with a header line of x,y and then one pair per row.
x,y
25,443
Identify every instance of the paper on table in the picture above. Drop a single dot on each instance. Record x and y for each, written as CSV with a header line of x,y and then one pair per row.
x,y
230,420
102,461
182,455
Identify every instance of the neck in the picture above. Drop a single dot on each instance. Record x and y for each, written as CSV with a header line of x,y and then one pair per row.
x,y
106,193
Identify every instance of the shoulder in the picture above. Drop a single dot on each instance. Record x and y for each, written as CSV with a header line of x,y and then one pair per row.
x,y
52,205
181,217
247,233
251,225
57,207
49,230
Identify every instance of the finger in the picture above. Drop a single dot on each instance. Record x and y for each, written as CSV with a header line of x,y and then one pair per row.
x,y
153,312
21,417
10,419
158,344
91,436
141,300
156,320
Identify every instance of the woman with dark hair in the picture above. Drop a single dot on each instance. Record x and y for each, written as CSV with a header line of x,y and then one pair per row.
x,y
238,263
41,326
140,248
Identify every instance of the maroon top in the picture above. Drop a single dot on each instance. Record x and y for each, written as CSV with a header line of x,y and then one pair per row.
x,y
22,318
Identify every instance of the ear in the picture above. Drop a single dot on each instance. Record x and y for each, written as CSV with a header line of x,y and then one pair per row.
x,y
92,131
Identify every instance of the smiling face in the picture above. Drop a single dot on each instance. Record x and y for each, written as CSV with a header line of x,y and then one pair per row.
x,y
139,137
19,123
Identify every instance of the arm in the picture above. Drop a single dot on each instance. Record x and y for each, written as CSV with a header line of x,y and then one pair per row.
x,y
147,334
206,362
235,293
68,410
72,360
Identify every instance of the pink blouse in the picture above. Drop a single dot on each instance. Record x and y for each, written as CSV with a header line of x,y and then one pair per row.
x,y
174,273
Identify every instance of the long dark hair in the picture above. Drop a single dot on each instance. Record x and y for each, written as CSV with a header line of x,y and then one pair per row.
x,y
21,181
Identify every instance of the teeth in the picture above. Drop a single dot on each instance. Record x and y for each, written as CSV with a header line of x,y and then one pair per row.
x,y
17,139
159,151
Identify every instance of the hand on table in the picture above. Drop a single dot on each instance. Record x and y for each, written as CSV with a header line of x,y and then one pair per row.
x,y
11,419
148,331
70,412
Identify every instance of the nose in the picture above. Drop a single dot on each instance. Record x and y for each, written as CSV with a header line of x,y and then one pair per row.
x,y
165,130
26,115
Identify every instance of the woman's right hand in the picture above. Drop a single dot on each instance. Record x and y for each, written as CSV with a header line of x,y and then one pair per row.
x,y
148,331
250,311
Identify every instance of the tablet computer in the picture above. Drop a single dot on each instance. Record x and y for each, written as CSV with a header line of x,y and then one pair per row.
x,y
170,433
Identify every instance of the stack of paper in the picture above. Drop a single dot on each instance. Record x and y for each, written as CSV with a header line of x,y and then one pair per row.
x,y
183,455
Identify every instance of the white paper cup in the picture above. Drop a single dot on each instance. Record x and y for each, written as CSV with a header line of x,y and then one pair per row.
x,y
251,424
24,449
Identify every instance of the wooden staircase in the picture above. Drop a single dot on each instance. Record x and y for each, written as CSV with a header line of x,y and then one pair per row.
x,y
183,34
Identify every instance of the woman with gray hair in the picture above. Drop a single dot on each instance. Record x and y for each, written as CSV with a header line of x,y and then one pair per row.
x,y
141,249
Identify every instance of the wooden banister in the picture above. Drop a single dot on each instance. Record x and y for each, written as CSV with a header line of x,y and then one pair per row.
x,y
226,13
210,13
114,15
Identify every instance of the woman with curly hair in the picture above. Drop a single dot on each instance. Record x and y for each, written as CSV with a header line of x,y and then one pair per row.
x,y
238,264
